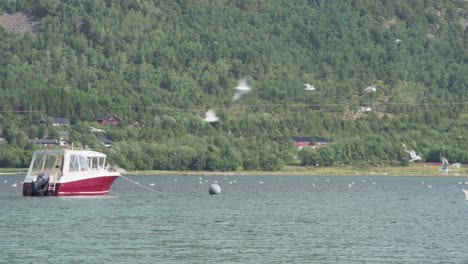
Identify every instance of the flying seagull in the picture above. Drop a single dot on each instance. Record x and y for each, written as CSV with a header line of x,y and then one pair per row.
x,y
242,88
444,168
211,116
309,87
413,155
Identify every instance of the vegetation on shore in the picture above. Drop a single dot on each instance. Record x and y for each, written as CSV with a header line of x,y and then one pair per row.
x,y
385,73
419,169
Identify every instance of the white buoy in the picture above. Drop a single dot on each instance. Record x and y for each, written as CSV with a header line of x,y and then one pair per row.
x,y
214,189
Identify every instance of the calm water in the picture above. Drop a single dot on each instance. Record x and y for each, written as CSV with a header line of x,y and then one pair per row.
x,y
287,219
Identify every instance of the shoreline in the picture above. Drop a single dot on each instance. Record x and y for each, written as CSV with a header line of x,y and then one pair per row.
x,y
414,170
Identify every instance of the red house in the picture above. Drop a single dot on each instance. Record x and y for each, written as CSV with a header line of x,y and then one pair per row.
x,y
109,119
315,142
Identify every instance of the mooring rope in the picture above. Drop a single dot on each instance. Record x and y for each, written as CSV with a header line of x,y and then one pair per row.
x,y
137,183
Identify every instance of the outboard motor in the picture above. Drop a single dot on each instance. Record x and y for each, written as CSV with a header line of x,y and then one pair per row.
x,y
40,184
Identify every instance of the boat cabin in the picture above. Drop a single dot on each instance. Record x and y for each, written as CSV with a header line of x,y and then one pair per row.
x,y
58,163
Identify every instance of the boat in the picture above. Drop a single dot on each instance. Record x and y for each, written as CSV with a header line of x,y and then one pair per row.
x,y
65,172
466,194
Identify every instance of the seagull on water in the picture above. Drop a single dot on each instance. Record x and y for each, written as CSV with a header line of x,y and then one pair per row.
x,y
211,116
13,185
241,89
309,87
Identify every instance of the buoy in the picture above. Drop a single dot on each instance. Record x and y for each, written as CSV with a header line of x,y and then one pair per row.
x,y
214,189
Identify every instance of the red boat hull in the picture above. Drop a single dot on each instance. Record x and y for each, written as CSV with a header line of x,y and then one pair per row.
x,y
98,186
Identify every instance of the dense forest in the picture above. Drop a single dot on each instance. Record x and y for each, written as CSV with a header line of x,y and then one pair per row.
x,y
385,73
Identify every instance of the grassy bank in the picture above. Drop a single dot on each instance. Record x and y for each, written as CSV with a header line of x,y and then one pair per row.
x,y
419,169
427,170
13,170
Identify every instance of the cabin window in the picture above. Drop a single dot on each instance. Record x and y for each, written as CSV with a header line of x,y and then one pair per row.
x,y
93,162
45,162
78,163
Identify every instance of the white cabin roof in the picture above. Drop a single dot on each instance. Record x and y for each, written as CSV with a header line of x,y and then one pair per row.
x,y
86,153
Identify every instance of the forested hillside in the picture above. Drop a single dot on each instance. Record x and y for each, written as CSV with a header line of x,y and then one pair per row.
x,y
385,73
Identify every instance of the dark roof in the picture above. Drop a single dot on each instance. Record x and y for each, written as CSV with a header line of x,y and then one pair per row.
x,y
310,139
47,141
108,116
60,121
43,120
105,140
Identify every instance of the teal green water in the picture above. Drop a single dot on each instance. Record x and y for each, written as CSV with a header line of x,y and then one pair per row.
x,y
285,219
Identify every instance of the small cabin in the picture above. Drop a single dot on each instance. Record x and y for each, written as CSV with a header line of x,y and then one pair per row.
x,y
109,119
314,142
47,142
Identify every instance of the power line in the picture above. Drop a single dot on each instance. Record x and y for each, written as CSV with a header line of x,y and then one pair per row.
x,y
374,104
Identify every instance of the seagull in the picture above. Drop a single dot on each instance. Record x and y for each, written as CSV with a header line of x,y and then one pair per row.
x,y
13,185
242,88
397,40
211,116
413,155
444,168
309,87
466,194
151,184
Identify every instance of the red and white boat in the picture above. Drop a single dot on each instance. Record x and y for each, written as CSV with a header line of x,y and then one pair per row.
x,y
68,173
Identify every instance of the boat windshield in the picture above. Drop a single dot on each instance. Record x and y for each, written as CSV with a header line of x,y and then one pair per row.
x,y
78,163
46,162
86,163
